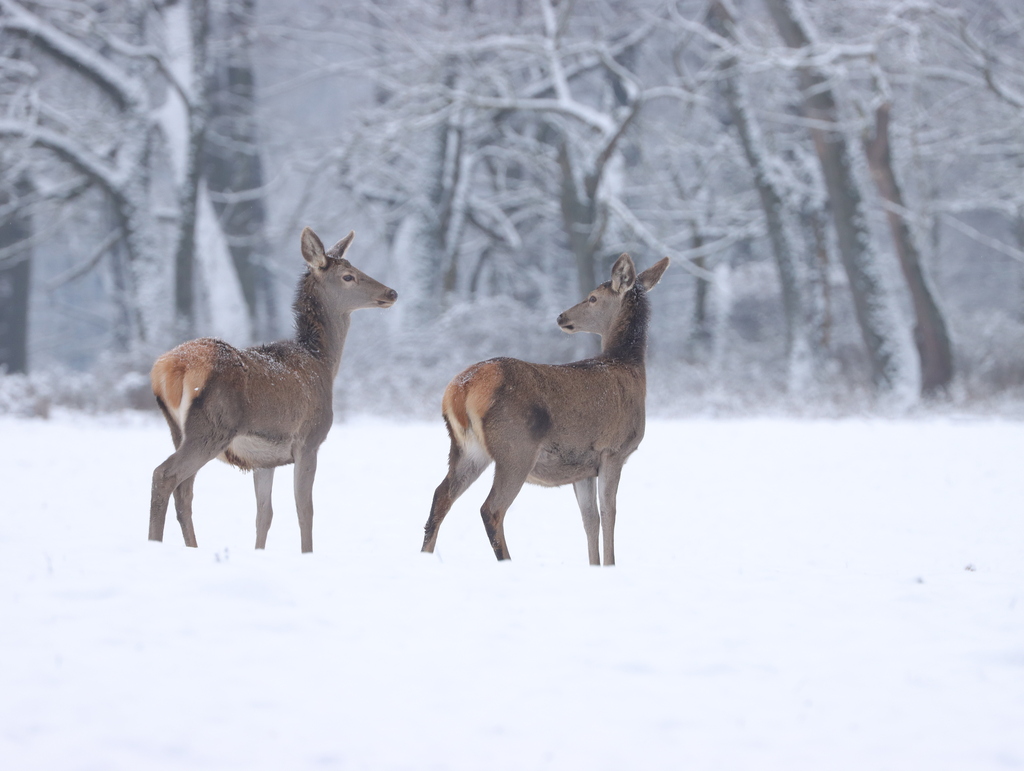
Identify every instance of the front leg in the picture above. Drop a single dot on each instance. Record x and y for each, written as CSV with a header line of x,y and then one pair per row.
x,y
263,480
586,497
305,471
608,487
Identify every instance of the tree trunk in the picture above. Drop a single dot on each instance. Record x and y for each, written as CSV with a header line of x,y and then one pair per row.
x,y
439,271
232,166
700,332
15,279
188,197
579,215
798,345
1019,228
813,220
848,212
930,335
453,218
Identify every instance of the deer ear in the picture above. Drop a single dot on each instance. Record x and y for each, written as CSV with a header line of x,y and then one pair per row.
x,y
623,274
313,249
650,277
338,250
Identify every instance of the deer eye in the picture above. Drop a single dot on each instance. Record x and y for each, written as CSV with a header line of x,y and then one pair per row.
x,y
593,299
348,277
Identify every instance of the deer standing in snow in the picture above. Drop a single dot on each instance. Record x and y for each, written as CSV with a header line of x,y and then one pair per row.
x,y
555,424
265,406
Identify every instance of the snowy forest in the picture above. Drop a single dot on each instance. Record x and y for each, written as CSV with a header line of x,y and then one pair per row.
x,y
839,184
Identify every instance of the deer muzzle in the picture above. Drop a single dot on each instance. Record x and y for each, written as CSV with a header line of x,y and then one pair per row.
x,y
388,299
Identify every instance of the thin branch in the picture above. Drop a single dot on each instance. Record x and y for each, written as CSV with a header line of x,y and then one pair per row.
x,y
77,155
87,264
993,243
685,258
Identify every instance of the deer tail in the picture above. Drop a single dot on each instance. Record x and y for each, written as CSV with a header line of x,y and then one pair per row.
x,y
466,401
180,375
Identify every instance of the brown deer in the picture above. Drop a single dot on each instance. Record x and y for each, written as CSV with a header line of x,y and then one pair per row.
x,y
265,406
555,424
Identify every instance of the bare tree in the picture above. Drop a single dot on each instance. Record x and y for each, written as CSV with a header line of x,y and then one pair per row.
x,y
120,175
16,80
495,121
848,208
126,142
507,151
15,274
930,335
980,70
799,349
232,164
195,96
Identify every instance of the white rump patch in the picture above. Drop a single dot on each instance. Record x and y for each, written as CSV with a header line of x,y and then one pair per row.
x,y
473,447
181,413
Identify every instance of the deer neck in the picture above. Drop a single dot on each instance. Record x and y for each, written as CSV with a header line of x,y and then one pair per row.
x,y
321,332
627,339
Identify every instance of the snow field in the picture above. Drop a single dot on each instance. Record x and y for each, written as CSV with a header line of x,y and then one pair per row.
x,y
792,595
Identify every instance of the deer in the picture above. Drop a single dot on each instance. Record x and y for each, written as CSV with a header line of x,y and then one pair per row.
x,y
266,406
555,424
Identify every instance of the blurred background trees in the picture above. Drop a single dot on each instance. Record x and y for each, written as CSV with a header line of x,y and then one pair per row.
x,y
839,185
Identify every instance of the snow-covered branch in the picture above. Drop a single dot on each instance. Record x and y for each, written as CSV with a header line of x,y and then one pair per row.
x,y
72,151
125,90
684,257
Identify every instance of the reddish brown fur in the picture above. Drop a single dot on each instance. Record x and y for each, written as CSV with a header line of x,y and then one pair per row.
x,y
186,367
453,405
470,395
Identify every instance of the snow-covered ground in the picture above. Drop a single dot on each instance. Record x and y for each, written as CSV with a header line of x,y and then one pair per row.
x,y
789,595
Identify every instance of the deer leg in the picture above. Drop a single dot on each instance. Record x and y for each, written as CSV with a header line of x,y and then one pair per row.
x,y
305,471
463,470
182,493
200,443
192,454
608,484
162,488
586,497
510,472
263,480
183,507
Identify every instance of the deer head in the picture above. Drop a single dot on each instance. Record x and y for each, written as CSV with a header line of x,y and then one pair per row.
x,y
342,286
602,307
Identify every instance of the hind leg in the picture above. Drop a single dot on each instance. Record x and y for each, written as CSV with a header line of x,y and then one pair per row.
x,y
183,492
183,507
510,471
179,467
201,443
464,468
